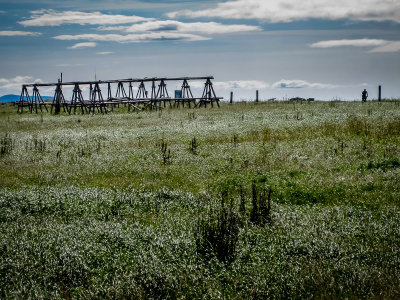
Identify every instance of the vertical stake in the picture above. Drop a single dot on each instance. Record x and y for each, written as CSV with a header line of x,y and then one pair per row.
x,y
256,95
379,93
231,99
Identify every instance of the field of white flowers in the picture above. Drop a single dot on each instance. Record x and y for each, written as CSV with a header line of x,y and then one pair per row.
x,y
172,203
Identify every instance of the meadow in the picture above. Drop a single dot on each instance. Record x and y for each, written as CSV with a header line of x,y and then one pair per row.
x,y
247,201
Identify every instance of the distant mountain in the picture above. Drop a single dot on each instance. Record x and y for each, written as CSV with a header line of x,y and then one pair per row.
x,y
14,98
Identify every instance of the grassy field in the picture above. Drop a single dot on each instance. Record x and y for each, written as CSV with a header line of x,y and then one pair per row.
x,y
252,200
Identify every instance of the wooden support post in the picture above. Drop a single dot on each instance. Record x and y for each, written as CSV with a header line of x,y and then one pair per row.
x,y
29,100
58,96
92,105
130,94
208,95
256,95
186,93
231,98
153,90
153,95
77,99
55,104
93,97
57,100
38,99
73,99
109,96
162,92
25,100
120,91
379,93
98,99
141,93
34,99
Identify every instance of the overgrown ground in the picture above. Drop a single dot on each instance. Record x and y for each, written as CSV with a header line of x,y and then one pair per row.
x,y
162,204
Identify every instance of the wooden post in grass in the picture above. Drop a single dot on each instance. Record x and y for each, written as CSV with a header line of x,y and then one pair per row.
x,y
256,95
379,93
231,98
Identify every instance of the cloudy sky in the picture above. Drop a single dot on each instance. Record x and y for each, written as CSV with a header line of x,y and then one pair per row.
x,y
284,48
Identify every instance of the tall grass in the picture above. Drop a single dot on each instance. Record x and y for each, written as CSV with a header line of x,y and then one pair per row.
x,y
266,200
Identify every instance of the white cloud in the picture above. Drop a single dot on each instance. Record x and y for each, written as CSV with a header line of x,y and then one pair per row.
x,y
241,84
18,33
388,47
176,26
295,84
17,79
53,18
104,53
234,84
148,28
69,65
133,38
293,10
113,28
380,45
83,45
168,29
354,43
14,85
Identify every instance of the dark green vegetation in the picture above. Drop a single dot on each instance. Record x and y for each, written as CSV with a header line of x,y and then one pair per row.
x,y
266,200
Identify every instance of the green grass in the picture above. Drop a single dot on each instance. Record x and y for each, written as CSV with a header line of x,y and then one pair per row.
x,y
116,206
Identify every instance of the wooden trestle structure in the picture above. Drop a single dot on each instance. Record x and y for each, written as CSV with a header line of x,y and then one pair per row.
x,y
156,98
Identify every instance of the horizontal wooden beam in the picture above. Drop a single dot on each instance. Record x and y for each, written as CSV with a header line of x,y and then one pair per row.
x,y
146,79
131,100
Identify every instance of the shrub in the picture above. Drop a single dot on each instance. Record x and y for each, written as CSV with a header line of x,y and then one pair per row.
x,y
6,145
166,153
261,206
217,234
193,146
384,165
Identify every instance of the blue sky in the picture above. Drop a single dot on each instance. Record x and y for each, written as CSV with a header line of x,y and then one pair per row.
x,y
284,48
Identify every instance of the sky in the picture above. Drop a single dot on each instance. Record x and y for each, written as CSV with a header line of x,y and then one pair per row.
x,y
321,49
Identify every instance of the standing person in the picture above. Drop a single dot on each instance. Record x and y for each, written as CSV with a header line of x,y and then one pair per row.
x,y
364,95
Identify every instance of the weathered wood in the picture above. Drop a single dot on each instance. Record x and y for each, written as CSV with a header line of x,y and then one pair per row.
x,y
37,100
24,100
158,96
208,95
121,80
379,93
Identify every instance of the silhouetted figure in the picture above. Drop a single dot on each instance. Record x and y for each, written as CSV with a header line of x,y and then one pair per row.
x,y
364,95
